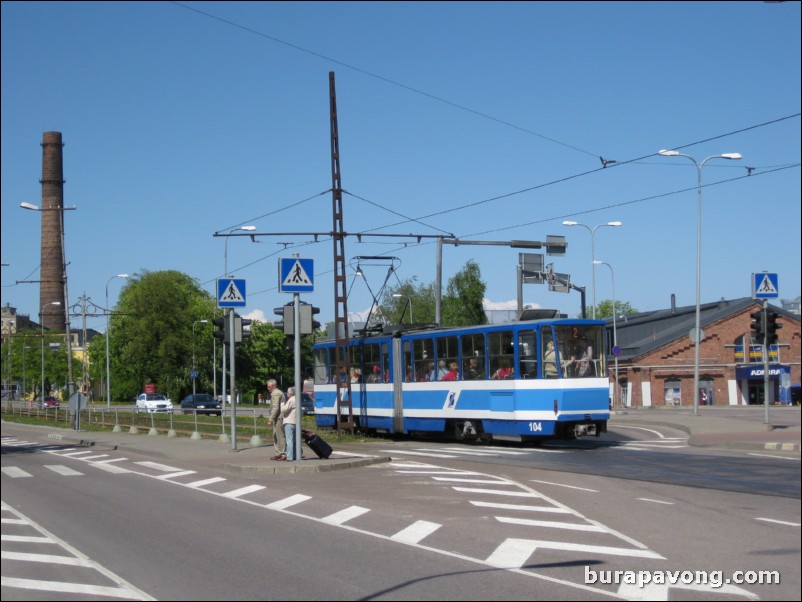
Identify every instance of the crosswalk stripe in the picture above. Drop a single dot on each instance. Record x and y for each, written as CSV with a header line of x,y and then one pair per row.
x,y
65,471
343,516
48,558
205,482
549,524
15,472
288,501
157,466
522,507
416,532
243,491
172,475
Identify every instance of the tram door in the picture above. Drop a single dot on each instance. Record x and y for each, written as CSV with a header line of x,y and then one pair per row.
x,y
398,381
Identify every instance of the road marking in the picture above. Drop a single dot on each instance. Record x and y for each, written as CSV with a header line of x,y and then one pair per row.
x,y
567,486
497,492
71,588
243,491
157,466
205,482
477,481
110,461
550,524
48,558
93,458
412,453
110,467
26,538
287,502
416,532
343,516
73,454
63,470
779,522
14,472
172,475
513,553
522,507
646,499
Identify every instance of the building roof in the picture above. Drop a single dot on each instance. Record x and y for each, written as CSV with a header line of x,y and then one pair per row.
x,y
642,333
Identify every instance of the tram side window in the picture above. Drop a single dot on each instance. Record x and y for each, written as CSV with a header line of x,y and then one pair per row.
x,y
448,351
473,357
501,355
527,353
423,358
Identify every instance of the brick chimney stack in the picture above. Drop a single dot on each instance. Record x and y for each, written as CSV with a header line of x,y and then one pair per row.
x,y
51,271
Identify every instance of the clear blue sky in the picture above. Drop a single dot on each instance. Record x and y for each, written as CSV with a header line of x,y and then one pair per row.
x,y
483,120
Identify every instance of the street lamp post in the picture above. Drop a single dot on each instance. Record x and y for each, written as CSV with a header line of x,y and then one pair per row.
x,y
194,378
697,330
42,324
108,312
615,332
593,252
24,387
409,301
225,245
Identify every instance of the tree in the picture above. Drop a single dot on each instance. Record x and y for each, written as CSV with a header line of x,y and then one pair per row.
x,y
463,303
605,309
151,333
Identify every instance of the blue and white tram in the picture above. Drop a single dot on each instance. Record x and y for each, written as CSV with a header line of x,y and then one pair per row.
x,y
522,381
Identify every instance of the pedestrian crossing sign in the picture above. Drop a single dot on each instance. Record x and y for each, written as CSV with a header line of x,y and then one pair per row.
x,y
230,292
765,286
296,275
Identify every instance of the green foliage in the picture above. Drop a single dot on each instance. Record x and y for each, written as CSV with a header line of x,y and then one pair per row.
x,y
151,333
21,360
605,309
462,303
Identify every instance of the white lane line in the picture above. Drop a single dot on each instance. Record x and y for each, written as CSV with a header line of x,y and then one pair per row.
x,y
205,482
463,472
72,588
26,538
48,558
172,475
13,521
74,454
514,553
477,481
110,461
568,486
243,491
110,468
779,522
287,502
397,452
15,472
416,532
157,466
550,524
343,516
65,471
93,458
497,492
646,499
523,507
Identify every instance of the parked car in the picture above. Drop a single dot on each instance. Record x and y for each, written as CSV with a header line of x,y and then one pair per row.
x,y
201,403
307,405
153,402
49,402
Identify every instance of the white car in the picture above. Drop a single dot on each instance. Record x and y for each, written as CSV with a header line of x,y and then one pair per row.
x,y
153,402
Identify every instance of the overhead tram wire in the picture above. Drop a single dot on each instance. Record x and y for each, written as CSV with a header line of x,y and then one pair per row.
x,y
390,81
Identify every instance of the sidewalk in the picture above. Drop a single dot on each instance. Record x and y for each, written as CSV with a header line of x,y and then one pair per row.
x,y
713,427
723,427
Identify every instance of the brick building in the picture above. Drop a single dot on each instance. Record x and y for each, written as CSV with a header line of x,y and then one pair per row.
x,y
656,363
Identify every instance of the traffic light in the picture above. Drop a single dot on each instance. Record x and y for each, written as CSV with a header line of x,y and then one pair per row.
x,y
757,326
309,325
221,329
287,323
244,334
772,327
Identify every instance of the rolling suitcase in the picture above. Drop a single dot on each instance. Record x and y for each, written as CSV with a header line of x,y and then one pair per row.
x,y
320,447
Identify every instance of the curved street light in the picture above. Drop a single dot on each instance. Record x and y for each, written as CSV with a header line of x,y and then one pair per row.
x,y
225,246
593,251
697,331
108,313
194,377
615,332
42,324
